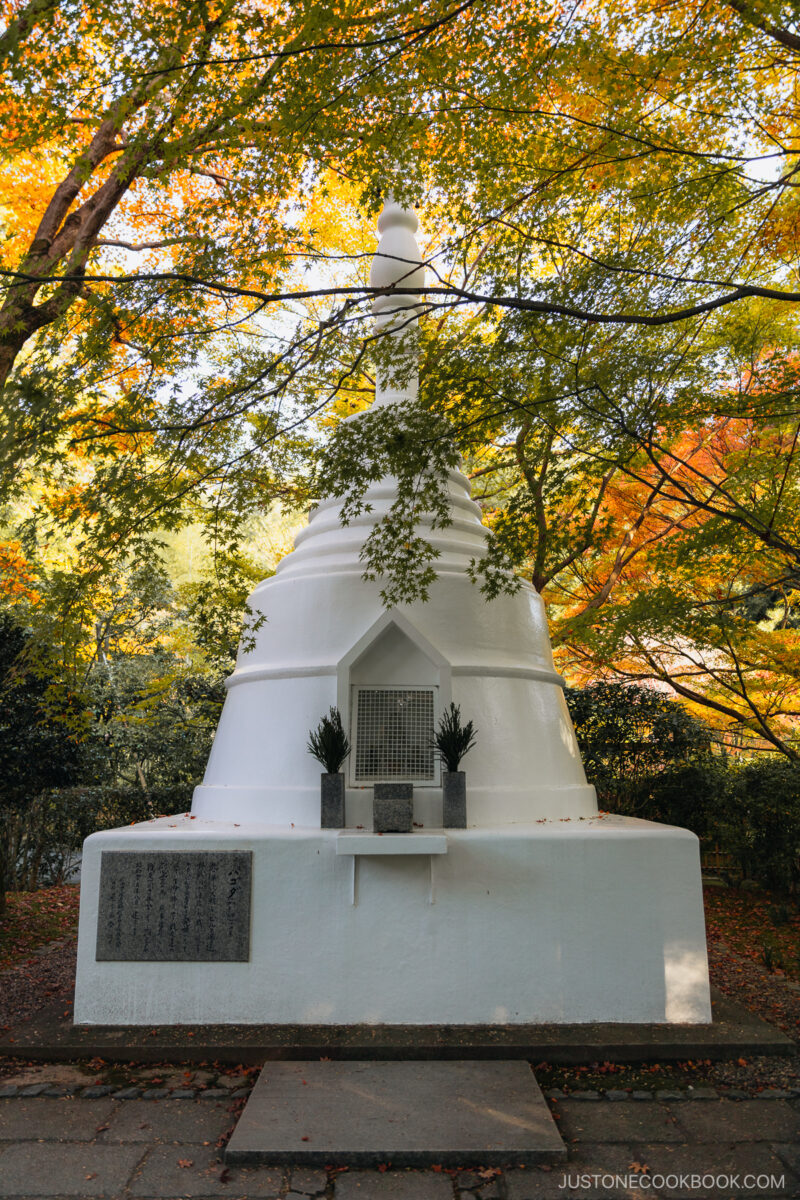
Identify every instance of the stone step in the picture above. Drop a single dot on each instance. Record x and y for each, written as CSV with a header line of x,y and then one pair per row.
x,y
457,1113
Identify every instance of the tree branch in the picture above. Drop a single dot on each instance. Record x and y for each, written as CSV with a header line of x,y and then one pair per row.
x,y
20,27
141,245
449,293
784,37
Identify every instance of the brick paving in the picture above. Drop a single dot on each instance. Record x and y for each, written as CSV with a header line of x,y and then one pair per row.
x,y
161,1149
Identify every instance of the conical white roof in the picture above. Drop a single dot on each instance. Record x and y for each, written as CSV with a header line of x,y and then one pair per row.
x,y
326,637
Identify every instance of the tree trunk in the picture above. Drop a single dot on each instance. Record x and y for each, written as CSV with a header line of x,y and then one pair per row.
x,y
2,873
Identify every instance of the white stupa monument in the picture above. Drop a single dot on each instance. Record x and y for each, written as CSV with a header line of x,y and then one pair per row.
x,y
247,911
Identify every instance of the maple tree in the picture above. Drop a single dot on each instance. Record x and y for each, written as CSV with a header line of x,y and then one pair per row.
x,y
611,192
652,497
187,139
542,133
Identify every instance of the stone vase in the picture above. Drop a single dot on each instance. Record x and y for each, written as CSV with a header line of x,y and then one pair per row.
x,y
393,807
454,799
332,800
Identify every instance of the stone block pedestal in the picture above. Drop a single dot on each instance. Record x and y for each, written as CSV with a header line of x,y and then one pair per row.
x,y
332,800
393,808
454,799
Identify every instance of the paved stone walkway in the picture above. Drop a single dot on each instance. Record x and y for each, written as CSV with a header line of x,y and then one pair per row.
x,y
75,1146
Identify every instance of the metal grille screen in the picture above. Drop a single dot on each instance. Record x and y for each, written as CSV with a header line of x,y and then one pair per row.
x,y
394,734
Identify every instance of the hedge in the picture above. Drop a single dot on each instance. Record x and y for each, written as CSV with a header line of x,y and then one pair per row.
x,y
43,842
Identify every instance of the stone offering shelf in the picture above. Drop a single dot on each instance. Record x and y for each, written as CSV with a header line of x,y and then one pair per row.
x,y
357,841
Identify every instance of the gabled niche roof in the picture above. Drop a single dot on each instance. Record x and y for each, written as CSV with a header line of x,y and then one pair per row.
x,y
385,621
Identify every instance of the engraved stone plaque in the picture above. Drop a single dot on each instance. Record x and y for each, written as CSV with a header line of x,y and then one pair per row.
x,y
174,906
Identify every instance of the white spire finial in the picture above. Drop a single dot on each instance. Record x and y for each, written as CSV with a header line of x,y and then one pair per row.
x,y
397,261
397,264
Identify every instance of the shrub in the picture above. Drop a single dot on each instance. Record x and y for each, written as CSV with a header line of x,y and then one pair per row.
x,y
36,750
646,755
758,821
44,839
686,794
452,739
328,743
650,758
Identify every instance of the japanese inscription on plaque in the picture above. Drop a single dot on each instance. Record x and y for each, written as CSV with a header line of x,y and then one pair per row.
x,y
174,906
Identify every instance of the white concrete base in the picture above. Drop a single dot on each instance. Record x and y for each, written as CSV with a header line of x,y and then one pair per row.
x,y
560,921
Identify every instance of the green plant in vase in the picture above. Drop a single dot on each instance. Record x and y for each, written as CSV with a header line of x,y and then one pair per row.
x,y
453,741
330,745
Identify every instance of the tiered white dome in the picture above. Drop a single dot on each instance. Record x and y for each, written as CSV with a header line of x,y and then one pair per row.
x,y
326,632
326,543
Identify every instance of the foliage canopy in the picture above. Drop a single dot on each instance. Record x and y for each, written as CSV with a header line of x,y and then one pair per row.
x,y
609,339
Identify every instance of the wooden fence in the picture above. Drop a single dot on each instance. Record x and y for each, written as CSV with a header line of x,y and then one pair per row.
x,y
714,861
